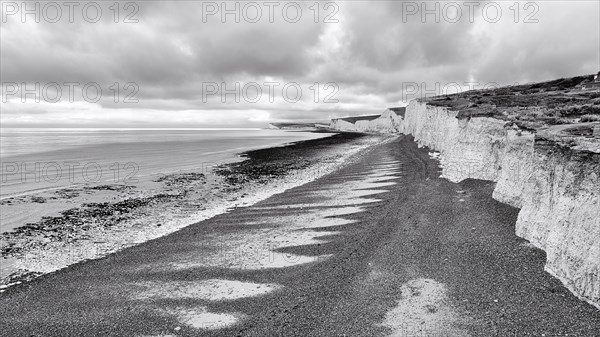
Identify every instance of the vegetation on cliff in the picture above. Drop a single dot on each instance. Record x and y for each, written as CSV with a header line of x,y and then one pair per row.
x,y
530,106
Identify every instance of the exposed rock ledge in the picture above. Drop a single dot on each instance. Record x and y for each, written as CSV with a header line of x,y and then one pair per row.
x,y
556,187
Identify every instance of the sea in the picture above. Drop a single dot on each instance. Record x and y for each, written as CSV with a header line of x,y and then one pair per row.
x,y
40,159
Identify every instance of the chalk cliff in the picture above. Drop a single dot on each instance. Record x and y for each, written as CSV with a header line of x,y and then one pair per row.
x,y
557,187
388,122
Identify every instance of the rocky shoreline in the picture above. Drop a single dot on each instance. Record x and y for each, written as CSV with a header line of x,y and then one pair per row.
x,y
96,229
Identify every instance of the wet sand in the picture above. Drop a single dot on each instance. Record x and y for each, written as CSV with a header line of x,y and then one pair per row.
x,y
381,247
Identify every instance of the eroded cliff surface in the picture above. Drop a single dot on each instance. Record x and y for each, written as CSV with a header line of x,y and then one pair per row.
x,y
557,187
541,143
387,122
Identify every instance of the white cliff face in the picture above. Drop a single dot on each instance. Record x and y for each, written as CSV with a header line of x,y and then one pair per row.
x,y
469,147
341,125
388,122
557,191
561,215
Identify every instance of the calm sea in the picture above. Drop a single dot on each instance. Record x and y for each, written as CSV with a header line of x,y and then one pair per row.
x,y
40,159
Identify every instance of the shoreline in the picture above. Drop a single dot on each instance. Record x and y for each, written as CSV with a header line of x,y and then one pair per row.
x,y
98,228
87,161
383,240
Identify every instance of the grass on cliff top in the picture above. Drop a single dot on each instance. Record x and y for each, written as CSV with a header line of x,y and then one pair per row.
x,y
530,106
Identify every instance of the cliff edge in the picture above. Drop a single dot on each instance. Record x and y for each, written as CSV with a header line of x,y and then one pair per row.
x,y
390,121
541,144
556,186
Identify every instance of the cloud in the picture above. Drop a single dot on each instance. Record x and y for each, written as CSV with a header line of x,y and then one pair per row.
x,y
371,51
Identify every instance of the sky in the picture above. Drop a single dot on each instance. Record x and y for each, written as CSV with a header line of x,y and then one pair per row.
x,y
245,64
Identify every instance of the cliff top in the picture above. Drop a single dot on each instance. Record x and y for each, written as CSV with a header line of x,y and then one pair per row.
x,y
353,119
531,106
299,126
292,125
358,118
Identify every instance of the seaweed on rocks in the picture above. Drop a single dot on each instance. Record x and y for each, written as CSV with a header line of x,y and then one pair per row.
x,y
265,164
106,225
181,179
118,188
39,200
89,215
67,193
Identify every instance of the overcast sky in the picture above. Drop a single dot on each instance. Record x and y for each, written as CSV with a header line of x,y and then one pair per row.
x,y
171,60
